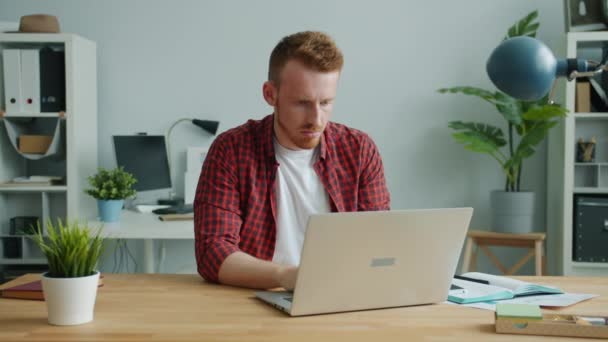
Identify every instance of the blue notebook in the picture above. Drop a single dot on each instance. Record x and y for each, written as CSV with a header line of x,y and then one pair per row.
x,y
493,288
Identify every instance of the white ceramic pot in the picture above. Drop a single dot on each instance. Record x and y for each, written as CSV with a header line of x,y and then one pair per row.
x,y
70,301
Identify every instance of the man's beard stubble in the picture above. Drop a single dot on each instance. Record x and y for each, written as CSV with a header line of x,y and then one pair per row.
x,y
299,141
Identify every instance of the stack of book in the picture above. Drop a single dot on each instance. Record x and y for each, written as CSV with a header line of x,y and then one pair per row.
x,y
33,181
30,290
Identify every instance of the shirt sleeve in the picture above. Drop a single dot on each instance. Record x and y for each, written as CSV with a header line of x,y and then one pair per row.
x,y
217,216
373,193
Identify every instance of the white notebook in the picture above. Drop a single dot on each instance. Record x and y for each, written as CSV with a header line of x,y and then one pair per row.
x,y
494,288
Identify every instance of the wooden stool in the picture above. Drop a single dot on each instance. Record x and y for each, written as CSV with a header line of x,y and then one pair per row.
x,y
533,241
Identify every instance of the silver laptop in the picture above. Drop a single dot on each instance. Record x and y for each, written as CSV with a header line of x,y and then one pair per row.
x,y
370,260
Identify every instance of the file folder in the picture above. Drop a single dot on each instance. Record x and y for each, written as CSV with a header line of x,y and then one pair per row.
x,y
52,80
190,184
30,81
12,80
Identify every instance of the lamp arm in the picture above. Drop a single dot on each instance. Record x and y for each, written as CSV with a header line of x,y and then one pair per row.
x,y
598,69
175,124
168,145
552,93
595,69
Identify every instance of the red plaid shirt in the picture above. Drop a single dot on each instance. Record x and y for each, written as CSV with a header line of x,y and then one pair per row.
x,y
235,206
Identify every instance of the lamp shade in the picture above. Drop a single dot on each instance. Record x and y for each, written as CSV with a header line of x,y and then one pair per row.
x,y
523,68
209,126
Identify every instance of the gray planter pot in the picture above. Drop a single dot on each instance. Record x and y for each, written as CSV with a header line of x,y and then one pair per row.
x,y
512,212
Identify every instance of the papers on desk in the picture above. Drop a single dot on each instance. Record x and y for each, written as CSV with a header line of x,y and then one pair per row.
x,y
547,301
557,300
147,208
482,291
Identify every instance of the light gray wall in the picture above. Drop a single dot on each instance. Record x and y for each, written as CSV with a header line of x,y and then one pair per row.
x,y
162,60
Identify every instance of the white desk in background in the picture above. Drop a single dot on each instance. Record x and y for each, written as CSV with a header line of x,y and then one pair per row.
x,y
147,227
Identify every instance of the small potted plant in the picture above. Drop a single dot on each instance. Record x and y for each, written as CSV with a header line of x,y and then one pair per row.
x,y
111,188
70,285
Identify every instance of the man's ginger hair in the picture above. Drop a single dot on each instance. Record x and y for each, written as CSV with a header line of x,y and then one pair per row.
x,y
316,50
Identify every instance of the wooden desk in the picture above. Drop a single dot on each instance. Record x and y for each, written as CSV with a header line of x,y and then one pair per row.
x,y
157,307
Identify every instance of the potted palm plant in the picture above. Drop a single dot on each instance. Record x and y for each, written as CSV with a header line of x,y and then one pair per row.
x,y
70,285
527,125
111,188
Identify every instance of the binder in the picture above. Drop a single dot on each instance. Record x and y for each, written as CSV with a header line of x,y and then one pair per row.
x,y
52,80
12,80
195,157
190,184
30,81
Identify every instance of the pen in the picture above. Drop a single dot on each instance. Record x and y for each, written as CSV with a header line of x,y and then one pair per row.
x,y
472,279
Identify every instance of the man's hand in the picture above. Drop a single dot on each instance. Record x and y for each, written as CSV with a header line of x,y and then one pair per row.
x,y
241,269
286,277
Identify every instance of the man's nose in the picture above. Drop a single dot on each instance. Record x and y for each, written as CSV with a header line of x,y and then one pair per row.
x,y
316,115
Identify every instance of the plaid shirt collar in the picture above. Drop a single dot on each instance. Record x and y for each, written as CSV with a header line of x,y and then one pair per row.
x,y
268,134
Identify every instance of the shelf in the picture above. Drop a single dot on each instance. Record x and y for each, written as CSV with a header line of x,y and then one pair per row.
x,y
568,178
16,261
77,149
590,264
36,37
590,116
48,188
592,164
591,190
597,36
33,115
22,236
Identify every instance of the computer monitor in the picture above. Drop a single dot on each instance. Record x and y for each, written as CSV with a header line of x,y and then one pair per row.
x,y
145,156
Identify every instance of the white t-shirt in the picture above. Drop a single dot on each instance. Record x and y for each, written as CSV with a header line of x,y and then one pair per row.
x,y
299,193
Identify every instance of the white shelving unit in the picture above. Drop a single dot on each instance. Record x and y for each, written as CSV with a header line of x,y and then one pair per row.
x,y
77,157
568,178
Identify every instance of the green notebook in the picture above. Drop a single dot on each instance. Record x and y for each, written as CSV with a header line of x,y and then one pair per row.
x,y
518,311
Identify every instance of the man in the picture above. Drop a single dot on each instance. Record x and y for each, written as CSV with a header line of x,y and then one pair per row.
x,y
261,180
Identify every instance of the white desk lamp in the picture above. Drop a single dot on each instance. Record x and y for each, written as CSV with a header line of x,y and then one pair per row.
x,y
207,126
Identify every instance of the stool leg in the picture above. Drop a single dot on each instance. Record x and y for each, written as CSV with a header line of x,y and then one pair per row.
x,y
473,264
466,262
521,262
538,248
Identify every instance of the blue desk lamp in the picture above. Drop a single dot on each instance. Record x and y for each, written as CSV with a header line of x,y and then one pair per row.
x,y
526,69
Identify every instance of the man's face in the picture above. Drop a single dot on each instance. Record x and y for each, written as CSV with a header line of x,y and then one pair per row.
x,y
302,103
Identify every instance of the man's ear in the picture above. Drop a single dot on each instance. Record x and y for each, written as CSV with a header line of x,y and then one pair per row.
x,y
270,91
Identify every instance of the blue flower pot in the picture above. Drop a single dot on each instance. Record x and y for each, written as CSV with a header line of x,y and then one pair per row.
x,y
109,210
